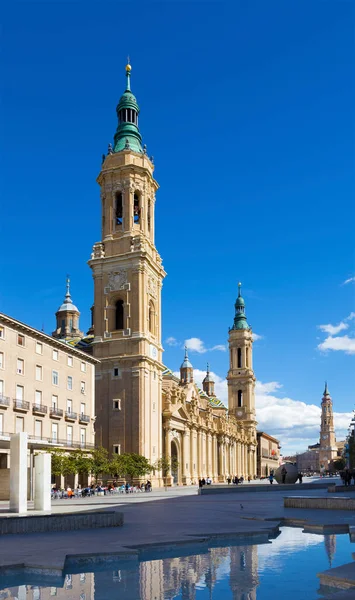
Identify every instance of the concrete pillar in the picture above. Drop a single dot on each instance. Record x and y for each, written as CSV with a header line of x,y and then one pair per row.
x,y
18,473
43,481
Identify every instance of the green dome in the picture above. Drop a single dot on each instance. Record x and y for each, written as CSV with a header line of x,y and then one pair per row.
x,y
127,136
240,320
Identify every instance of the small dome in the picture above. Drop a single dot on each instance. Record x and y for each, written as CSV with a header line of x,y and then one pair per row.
x,y
67,305
186,364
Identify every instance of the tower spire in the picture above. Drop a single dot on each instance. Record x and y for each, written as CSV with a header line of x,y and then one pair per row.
x,y
326,393
186,369
240,320
127,136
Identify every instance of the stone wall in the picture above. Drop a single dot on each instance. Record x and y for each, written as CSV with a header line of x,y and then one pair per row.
x,y
5,484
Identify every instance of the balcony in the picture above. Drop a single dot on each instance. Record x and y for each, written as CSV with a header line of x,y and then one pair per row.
x,y
56,442
39,409
70,416
56,413
4,401
21,405
84,419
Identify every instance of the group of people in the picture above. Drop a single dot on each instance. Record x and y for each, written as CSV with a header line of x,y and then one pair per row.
x,y
100,490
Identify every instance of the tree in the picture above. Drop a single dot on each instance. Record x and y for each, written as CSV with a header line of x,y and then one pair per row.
x,y
100,463
339,464
163,464
134,465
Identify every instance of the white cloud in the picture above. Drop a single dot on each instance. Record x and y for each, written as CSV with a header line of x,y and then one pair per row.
x,y
197,345
333,329
257,337
344,343
350,280
171,341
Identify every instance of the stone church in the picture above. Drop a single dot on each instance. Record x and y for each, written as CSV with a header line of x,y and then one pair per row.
x,y
141,406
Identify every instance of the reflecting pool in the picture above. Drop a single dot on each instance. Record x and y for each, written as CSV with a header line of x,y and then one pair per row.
x,y
286,567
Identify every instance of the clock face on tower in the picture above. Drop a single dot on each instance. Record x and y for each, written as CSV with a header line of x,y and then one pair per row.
x,y
153,352
324,436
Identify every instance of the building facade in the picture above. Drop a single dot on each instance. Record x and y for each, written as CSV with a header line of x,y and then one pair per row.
x,y
47,389
268,454
141,406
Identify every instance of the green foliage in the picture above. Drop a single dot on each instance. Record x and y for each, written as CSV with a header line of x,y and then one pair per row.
x,y
100,463
135,465
163,464
339,464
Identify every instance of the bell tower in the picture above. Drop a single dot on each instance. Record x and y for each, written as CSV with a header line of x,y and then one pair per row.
x,y
241,378
128,274
327,449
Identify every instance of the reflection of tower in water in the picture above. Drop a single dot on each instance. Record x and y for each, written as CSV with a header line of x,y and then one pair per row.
x,y
330,543
244,572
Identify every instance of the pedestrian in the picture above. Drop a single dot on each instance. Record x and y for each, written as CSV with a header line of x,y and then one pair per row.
x,y
229,480
300,476
283,474
271,478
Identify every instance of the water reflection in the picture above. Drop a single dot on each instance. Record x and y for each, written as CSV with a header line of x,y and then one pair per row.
x,y
233,572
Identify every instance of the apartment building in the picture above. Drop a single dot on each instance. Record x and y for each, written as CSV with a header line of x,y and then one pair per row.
x,y
47,389
268,453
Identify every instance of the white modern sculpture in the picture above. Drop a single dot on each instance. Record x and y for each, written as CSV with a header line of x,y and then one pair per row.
x,y
18,473
43,482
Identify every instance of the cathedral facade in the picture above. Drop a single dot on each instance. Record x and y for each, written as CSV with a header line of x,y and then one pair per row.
x,y
141,406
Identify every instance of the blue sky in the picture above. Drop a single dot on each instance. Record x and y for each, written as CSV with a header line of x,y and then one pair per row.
x,y
248,109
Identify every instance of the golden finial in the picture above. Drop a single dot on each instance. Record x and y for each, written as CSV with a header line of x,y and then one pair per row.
x,y
128,66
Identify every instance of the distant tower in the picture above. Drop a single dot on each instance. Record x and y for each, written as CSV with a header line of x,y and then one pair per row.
x,y
186,370
241,379
67,317
328,449
208,383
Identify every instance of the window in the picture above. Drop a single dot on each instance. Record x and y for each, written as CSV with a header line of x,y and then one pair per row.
x,y
239,358
70,361
83,437
153,406
54,432
116,372
240,398
39,348
38,428
55,354
38,398
247,358
2,333
55,377
69,405
82,387
119,208
20,392
54,401
149,209
83,367
20,422
82,408
117,448
20,366
70,382
117,404
1,423
69,435
39,373
119,314
1,387
151,318
2,360
136,209
20,339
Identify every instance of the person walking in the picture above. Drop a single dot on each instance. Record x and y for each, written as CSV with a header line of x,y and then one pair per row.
x,y
300,476
271,478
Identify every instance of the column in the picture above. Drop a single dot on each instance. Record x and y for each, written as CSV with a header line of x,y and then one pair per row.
x,y
186,458
215,457
43,482
168,477
243,460
18,473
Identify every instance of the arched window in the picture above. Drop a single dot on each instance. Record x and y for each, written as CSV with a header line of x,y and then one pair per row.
x,y
149,207
240,398
71,324
119,314
151,318
239,358
119,208
136,208
247,358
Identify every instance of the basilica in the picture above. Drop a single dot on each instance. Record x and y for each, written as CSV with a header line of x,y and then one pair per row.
x,y
141,406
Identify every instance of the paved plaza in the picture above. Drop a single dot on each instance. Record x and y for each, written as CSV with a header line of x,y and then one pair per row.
x,y
161,517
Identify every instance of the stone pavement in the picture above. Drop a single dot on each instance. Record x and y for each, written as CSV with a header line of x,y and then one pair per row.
x,y
177,516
